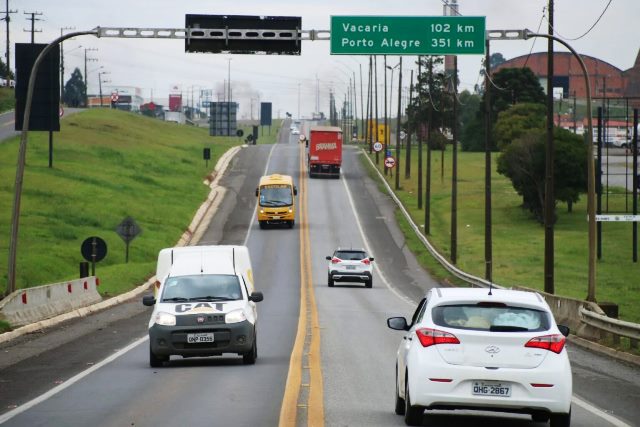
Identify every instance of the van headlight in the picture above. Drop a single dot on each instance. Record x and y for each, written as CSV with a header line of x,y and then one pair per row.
x,y
235,316
290,210
261,211
165,319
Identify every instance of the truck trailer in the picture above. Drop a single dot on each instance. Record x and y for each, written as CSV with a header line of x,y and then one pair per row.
x,y
325,151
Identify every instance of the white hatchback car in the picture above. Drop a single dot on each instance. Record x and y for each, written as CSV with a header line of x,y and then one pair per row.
x,y
350,265
492,350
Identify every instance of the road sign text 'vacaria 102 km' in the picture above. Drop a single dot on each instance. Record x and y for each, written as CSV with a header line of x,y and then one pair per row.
x,y
407,35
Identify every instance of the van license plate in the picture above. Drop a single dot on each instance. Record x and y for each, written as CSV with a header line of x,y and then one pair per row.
x,y
200,338
491,388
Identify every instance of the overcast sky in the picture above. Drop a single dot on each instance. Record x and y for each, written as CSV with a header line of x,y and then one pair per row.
x,y
290,82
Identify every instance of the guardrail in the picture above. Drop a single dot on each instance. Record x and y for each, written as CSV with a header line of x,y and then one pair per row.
x,y
614,326
585,321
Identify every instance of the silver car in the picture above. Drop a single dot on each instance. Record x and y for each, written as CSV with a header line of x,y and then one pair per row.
x,y
350,265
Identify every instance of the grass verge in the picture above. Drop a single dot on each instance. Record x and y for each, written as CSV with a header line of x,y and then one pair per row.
x,y
518,240
107,165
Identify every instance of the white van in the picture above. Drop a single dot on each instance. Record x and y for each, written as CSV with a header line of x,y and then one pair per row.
x,y
204,304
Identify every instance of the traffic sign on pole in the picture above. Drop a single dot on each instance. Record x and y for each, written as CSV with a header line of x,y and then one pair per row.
x,y
377,146
407,35
390,162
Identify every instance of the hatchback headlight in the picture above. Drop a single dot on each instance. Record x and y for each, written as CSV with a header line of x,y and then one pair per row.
x,y
165,319
235,316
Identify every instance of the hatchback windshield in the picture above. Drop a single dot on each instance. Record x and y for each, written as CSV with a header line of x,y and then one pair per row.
x,y
350,255
207,287
276,195
491,317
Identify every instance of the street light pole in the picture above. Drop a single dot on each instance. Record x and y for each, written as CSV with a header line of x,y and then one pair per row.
x,y
62,64
591,180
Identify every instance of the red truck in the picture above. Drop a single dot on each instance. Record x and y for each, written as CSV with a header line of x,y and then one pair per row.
x,y
325,151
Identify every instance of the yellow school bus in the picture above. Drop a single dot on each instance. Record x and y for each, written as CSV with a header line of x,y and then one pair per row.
x,y
276,200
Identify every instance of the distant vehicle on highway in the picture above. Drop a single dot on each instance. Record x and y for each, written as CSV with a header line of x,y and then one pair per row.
x,y
295,131
205,304
350,265
497,350
325,151
276,200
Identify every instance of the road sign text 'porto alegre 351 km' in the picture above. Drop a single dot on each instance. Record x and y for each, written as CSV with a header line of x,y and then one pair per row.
x,y
407,35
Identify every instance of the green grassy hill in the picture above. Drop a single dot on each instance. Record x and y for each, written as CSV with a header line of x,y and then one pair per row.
x,y
107,165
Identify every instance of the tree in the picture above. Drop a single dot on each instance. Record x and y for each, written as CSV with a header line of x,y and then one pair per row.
x,y
430,92
74,90
495,60
516,121
523,161
3,70
510,86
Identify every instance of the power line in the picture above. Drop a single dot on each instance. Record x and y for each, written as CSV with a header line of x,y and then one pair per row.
x,y
535,38
590,28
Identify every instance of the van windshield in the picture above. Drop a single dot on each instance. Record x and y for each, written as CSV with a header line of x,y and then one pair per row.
x,y
276,195
206,287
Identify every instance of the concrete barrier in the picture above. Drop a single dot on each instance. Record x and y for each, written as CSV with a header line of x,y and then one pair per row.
x,y
28,305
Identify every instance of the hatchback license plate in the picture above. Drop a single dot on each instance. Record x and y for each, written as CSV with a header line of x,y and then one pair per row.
x,y
275,217
351,267
200,338
491,388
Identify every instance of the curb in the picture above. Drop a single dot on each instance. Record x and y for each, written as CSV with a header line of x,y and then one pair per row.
x,y
191,236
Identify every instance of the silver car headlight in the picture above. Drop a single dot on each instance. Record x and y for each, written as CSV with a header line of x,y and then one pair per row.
x,y
235,316
165,319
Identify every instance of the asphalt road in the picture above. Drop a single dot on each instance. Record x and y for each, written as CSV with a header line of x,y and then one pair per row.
x,y
357,350
8,122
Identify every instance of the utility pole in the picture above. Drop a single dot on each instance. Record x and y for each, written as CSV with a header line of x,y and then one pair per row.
x,y
399,120
100,74
62,64
386,143
488,244
549,198
229,95
7,19
33,20
86,77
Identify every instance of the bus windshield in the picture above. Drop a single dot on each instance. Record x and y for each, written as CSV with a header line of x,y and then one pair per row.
x,y
276,195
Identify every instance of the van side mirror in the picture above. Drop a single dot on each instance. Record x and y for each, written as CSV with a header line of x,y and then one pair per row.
x,y
257,192
256,297
148,300
564,330
295,190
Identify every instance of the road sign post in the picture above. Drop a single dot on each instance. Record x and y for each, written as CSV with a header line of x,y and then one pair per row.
x,y
407,35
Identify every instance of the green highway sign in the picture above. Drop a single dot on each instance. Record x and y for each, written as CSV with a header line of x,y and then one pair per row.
x,y
407,35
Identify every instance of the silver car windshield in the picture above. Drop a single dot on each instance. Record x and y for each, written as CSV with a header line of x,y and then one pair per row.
x,y
206,287
496,318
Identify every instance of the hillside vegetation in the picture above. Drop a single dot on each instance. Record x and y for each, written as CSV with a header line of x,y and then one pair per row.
x,y
107,165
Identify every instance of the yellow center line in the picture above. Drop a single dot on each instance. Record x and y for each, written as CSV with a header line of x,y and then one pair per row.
x,y
307,325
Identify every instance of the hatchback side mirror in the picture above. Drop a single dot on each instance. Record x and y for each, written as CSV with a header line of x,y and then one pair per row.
x,y
370,258
256,297
328,258
148,300
398,323
564,330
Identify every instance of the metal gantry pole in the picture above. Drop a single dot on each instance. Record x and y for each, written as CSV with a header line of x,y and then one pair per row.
x,y
488,244
17,197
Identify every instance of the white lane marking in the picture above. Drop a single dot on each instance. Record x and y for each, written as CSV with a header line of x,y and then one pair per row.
x,y
57,389
255,209
598,412
368,249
